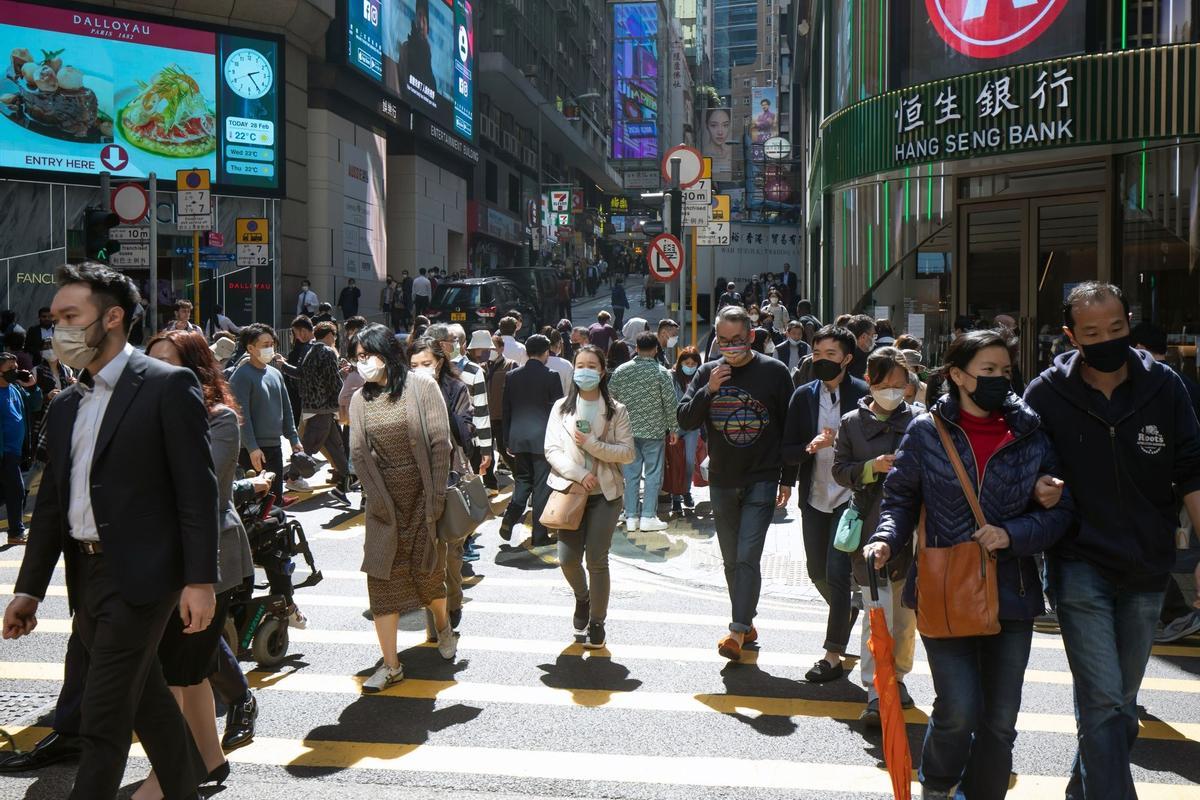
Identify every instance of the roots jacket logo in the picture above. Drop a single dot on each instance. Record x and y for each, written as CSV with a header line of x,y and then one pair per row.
x,y
1150,441
992,28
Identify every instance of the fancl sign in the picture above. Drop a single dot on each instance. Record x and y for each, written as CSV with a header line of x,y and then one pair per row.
x,y
1085,100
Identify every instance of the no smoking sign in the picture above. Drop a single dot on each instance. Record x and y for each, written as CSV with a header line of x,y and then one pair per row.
x,y
665,257
993,28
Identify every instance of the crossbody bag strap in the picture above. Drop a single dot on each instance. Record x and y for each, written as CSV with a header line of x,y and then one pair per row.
x,y
959,470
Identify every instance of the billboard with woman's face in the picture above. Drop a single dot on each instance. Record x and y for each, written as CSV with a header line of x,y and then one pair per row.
x,y
717,142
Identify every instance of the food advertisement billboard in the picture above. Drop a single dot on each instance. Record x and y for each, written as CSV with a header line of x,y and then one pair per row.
x,y
422,51
635,80
86,91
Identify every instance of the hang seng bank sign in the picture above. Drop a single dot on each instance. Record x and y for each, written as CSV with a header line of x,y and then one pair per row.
x,y
1085,100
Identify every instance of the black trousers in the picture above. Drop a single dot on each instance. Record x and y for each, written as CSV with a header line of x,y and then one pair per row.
x,y
124,690
530,471
68,716
272,462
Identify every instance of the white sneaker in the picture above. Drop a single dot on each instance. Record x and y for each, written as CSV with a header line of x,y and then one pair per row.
x,y
384,677
447,644
298,485
631,525
652,524
297,620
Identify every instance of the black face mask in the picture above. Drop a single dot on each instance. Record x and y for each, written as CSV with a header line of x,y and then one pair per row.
x,y
990,392
9,375
826,370
1107,356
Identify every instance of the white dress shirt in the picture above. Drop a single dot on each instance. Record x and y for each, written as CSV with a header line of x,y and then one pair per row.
x,y
826,494
306,302
515,351
566,373
92,406
421,287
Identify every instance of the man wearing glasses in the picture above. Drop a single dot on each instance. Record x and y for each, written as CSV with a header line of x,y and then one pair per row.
x,y
742,400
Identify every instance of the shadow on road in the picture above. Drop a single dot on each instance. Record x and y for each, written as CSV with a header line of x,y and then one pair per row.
x,y
591,681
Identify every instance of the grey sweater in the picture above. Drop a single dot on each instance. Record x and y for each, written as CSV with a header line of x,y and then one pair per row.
x,y
266,409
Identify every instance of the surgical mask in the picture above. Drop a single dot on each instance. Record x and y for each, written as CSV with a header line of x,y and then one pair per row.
x,y
455,352
754,317
428,372
888,399
672,341
689,369
990,392
825,369
266,354
48,355
70,342
371,370
1107,356
587,378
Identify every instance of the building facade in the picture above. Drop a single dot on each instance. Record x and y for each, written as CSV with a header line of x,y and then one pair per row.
x,y
968,161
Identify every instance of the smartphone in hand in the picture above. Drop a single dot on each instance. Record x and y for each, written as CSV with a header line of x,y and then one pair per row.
x,y
583,426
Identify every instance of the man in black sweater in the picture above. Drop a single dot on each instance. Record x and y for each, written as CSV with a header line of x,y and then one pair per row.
x,y
742,402
1129,445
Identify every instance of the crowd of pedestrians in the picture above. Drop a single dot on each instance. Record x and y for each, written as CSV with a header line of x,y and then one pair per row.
x,y
1072,493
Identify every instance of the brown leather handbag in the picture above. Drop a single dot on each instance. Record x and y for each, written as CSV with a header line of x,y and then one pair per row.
x,y
957,593
564,510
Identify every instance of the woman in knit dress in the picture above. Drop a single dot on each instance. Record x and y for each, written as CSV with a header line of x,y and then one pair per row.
x,y
400,445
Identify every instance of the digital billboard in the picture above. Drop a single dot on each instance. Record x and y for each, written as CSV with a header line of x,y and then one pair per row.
x,y
90,91
635,80
422,51
955,37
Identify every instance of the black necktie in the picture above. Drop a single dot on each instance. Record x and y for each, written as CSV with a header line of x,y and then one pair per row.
x,y
833,398
87,380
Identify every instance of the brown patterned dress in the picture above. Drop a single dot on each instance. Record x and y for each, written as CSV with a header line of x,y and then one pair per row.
x,y
407,588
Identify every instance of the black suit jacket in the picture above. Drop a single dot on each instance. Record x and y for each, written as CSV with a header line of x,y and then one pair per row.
x,y
804,413
784,353
153,491
530,392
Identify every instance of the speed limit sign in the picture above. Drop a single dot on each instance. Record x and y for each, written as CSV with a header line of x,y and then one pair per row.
x,y
665,257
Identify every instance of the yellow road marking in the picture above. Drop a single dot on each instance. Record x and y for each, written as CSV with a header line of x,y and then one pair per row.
x,y
707,771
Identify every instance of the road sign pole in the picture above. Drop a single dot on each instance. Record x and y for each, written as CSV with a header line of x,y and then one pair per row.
x,y
695,342
152,288
196,277
105,191
676,221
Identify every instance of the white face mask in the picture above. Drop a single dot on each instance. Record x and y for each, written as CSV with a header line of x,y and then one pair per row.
x,y
372,369
266,354
426,371
671,342
888,399
48,355
754,317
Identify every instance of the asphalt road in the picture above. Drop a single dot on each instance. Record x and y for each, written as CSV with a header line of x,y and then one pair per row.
x,y
526,713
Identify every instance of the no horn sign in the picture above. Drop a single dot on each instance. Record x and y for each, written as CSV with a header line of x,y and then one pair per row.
x,y
665,257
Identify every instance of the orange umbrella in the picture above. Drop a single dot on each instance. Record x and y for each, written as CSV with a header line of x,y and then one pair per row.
x,y
891,715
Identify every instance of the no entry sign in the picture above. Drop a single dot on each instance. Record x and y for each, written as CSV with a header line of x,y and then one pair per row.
x,y
992,28
130,202
665,257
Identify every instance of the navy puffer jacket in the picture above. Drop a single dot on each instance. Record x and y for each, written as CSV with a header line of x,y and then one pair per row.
x,y
923,475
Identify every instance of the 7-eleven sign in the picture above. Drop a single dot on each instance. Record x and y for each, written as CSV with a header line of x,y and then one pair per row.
x,y
560,200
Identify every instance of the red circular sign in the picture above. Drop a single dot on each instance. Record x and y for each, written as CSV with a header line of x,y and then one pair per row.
x,y
665,257
992,28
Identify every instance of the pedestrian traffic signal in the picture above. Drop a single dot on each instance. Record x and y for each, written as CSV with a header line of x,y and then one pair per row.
x,y
98,243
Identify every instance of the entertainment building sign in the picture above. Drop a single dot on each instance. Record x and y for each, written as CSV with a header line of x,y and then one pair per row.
x,y
1084,100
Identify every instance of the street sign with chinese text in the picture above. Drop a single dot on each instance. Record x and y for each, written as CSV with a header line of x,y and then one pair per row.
x,y
665,257
714,234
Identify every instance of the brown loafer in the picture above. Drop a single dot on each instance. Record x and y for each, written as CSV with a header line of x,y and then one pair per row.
x,y
729,648
751,637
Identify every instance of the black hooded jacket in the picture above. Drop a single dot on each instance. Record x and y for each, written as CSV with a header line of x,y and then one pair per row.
x,y
1125,461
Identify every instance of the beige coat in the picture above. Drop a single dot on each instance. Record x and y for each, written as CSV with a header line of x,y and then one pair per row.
x,y
424,400
610,445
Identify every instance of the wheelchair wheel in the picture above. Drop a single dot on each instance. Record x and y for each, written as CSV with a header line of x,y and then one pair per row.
x,y
270,643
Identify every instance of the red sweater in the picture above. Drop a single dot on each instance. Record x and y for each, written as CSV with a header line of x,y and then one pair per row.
x,y
986,435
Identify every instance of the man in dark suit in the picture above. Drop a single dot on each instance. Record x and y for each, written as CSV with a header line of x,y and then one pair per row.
x,y
140,544
529,395
792,350
814,415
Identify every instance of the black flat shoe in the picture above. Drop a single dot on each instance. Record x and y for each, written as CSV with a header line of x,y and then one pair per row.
x,y
239,726
823,672
51,749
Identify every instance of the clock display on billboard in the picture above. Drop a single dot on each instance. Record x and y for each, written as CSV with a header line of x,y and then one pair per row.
x,y
86,91
422,51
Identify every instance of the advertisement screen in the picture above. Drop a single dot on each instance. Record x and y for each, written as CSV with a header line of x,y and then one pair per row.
x,y
88,91
765,105
716,142
422,51
955,37
635,80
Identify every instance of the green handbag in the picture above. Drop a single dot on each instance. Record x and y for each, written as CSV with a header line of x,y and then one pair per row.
x,y
849,531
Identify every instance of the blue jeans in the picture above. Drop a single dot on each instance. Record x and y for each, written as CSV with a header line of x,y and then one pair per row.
x,y
1108,633
742,516
14,492
691,440
977,681
651,454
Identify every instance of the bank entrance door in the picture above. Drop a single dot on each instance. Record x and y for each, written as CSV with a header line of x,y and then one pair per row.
x,y
1022,257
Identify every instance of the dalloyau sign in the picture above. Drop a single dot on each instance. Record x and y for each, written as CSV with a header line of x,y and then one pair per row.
x,y
1094,99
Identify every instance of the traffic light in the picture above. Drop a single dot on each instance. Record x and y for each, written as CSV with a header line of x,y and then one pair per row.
x,y
97,240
